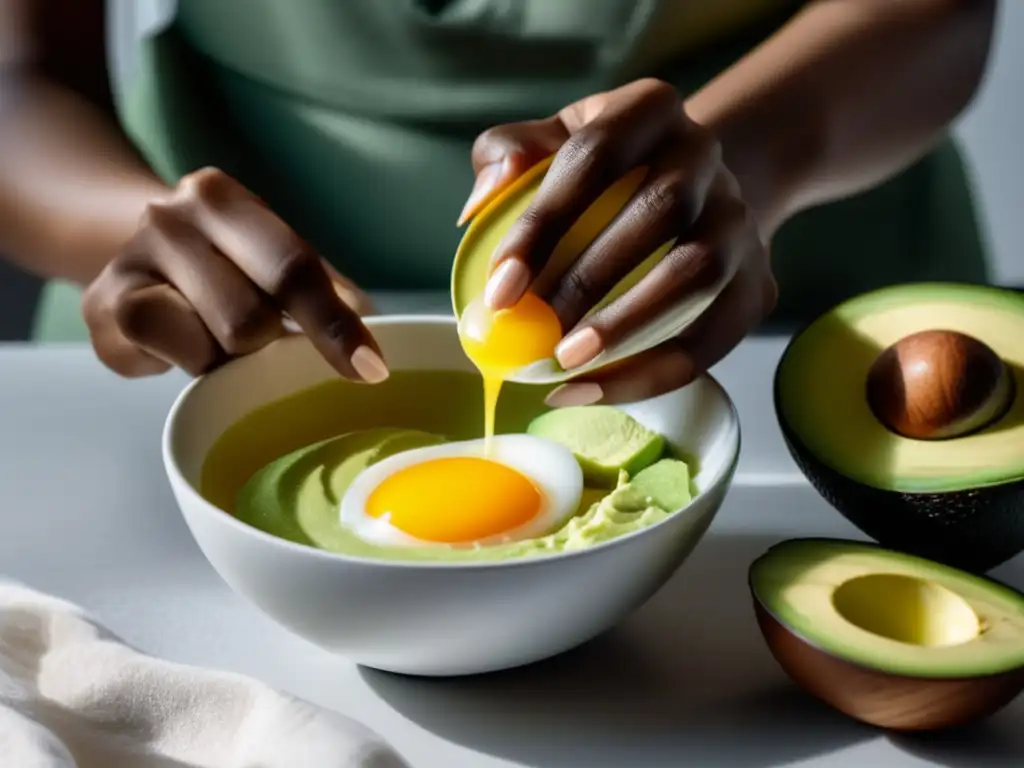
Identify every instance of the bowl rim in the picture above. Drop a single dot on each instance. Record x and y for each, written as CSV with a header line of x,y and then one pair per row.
x,y
200,503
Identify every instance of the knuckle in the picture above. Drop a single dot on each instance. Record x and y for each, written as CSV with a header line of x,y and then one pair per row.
x,y
296,270
338,330
132,318
156,217
486,139
161,230
586,150
244,327
669,198
529,220
697,266
659,91
101,298
202,185
577,286
124,357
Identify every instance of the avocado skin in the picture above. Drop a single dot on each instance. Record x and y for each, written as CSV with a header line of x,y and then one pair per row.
x,y
887,701
974,529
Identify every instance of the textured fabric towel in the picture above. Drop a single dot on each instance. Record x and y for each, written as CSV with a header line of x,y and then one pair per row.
x,y
72,695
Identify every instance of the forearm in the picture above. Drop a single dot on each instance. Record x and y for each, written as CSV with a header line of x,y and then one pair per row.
x,y
72,188
843,97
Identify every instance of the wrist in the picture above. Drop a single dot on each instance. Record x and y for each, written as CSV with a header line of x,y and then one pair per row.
x,y
99,231
770,157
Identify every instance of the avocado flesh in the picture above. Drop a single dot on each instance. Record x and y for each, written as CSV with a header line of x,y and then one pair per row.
x,y
604,440
663,485
820,389
891,612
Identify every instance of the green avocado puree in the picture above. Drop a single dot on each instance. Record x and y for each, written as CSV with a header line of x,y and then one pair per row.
x,y
296,497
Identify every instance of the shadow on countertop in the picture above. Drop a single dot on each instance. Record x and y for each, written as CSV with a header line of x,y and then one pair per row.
x,y
988,745
608,704
687,680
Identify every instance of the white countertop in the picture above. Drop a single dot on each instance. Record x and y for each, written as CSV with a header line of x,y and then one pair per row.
x,y
88,515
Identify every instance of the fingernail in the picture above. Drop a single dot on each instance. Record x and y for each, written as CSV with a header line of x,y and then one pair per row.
x,y
507,285
579,348
569,395
486,181
368,365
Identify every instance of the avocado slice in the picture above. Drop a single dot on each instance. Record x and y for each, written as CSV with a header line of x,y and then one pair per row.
x,y
665,484
880,634
957,498
604,440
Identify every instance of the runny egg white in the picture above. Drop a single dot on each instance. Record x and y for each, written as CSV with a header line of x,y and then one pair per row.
x,y
458,494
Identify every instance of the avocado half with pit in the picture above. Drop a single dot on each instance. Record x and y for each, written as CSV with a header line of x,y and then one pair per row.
x,y
904,407
890,639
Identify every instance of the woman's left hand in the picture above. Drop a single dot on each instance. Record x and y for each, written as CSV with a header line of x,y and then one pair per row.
x,y
687,194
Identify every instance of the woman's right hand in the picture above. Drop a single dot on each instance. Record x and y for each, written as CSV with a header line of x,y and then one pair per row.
x,y
209,275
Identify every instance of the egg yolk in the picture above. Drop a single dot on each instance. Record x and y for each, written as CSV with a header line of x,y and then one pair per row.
x,y
500,342
455,500
503,341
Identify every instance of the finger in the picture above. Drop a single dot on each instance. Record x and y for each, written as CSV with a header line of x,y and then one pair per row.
x,y
676,363
504,153
665,206
719,241
240,316
636,119
350,293
648,374
286,268
99,309
160,321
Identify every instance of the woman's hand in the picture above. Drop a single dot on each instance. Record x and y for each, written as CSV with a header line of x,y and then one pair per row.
x,y
688,194
210,274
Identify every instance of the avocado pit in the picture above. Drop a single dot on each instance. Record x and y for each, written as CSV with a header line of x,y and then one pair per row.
x,y
938,384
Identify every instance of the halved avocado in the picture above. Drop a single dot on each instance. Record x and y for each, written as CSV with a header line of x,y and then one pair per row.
x,y
901,408
889,638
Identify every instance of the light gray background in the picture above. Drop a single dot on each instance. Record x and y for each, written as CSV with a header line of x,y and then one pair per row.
x,y
993,130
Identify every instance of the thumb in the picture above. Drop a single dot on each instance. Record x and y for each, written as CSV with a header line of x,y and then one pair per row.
x,y
504,153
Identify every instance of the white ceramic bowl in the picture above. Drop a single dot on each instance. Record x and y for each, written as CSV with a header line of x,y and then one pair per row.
x,y
437,618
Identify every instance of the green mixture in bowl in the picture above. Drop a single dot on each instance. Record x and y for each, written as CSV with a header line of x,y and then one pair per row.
x,y
632,479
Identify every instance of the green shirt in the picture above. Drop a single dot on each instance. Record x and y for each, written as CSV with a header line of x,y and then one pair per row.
x,y
354,121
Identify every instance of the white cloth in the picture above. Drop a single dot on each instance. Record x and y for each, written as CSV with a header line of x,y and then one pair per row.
x,y
72,695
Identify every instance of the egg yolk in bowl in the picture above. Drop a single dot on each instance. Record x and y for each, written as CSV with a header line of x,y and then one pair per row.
x,y
456,499
465,493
